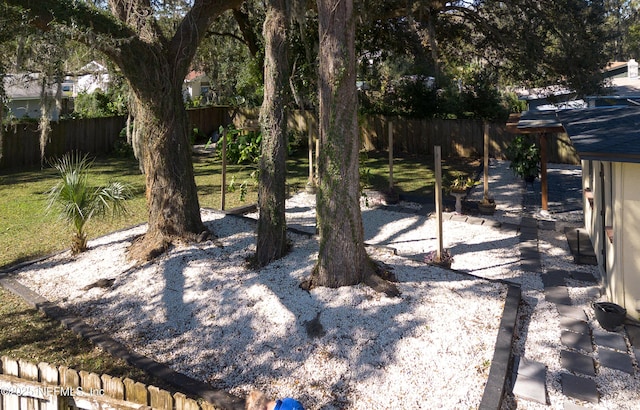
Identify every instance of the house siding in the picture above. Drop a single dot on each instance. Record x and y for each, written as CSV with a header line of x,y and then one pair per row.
x,y
616,204
627,241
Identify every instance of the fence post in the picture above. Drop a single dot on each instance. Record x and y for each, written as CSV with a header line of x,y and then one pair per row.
x,y
390,125
224,171
160,399
113,387
136,392
486,160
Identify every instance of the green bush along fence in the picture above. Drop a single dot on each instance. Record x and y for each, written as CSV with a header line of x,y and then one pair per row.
x,y
464,138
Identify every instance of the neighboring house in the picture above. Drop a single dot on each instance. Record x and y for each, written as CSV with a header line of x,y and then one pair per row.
x,y
608,142
197,85
24,90
24,95
92,77
549,98
622,87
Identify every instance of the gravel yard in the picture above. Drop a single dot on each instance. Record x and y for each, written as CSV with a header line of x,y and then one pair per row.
x,y
201,311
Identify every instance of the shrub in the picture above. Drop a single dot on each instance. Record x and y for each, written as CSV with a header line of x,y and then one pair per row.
x,y
77,202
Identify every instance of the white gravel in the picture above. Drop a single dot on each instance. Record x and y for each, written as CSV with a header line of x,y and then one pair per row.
x,y
201,311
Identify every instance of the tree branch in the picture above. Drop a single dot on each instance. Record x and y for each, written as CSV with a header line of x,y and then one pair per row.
x,y
211,33
193,28
250,38
73,13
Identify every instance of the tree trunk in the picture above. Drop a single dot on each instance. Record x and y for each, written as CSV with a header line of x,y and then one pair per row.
x,y
342,259
272,228
172,198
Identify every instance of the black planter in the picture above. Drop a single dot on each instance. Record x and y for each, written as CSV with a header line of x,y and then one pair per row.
x,y
609,315
487,208
529,179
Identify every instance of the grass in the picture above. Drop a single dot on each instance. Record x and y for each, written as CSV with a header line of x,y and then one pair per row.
x,y
24,223
27,232
30,335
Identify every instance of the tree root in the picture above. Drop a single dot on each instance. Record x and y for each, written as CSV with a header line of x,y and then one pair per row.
x,y
151,245
381,285
380,279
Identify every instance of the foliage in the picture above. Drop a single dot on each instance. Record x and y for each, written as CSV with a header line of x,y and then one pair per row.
x,y
242,148
524,155
100,103
232,56
622,22
197,135
121,148
523,43
243,187
78,202
466,92
461,183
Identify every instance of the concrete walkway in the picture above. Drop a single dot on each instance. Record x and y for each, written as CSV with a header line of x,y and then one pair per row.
x,y
585,348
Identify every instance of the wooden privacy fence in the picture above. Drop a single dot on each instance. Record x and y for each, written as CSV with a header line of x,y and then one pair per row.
x,y
459,137
464,138
26,386
21,142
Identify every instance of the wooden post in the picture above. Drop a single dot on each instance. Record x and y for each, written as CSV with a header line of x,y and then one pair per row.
x,y
486,160
543,172
390,126
310,141
437,157
224,171
317,155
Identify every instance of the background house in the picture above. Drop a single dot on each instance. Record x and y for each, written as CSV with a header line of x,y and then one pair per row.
x,y
622,87
24,90
92,77
608,142
24,95
197,86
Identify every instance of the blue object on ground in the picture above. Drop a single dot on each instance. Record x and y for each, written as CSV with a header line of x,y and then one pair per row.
x,y
288,404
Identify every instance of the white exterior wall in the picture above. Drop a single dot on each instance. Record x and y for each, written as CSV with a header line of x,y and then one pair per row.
x,y
627,240
620,262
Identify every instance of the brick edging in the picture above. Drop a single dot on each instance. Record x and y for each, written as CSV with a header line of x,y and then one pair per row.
x,y
183,383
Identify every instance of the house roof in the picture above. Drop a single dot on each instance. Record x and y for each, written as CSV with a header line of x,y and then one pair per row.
x,y
536,121
607,134
24,86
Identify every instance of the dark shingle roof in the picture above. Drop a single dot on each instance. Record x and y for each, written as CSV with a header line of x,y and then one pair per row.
x,y
539,121
608,134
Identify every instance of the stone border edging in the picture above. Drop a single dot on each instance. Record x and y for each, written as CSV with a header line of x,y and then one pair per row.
x,y
182,382
500,370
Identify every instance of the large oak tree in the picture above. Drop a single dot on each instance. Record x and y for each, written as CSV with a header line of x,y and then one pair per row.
x,y
342,259
155,64
272,227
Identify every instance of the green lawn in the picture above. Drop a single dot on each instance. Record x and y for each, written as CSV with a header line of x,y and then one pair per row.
x,y
29,335
28,232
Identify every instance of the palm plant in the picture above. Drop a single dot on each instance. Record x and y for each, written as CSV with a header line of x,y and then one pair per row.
x,y
78,202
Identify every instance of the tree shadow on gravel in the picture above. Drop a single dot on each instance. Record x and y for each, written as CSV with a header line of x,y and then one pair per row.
x,y
204,313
